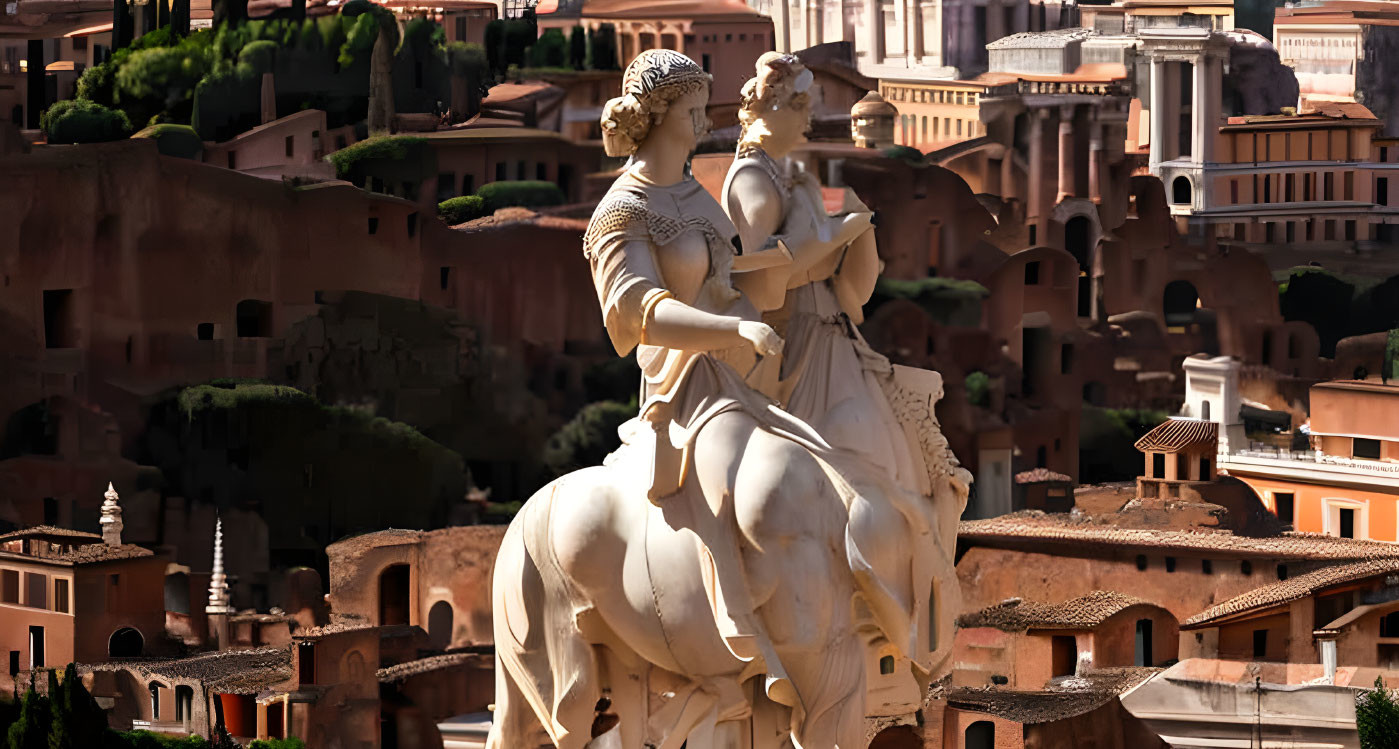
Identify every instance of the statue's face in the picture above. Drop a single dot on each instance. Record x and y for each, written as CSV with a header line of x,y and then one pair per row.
x,y
685,121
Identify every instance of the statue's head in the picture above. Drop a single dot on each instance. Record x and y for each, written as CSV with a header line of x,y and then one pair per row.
x,y
775,109
664,94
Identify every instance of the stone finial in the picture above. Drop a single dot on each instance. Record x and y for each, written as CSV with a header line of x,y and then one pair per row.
x,y
218,581
872,122
111,517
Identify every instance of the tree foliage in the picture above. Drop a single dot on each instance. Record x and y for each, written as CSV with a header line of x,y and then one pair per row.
x,y
180,141
77,121
588,437
527,194
550,50
31,729
578,48
602,48
1377,717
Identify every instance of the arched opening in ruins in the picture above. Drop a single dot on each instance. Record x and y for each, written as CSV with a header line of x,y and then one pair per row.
x,y
1179,302
439,625
125,643
897,737
980,735
1078,238
394,595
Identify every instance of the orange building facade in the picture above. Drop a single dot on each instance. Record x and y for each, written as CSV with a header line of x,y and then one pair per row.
x,y
1348,484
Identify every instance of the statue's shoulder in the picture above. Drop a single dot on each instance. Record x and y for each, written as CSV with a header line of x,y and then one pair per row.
x,y
626,210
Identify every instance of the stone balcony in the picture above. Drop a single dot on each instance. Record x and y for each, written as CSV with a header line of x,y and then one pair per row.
x,y
1309,465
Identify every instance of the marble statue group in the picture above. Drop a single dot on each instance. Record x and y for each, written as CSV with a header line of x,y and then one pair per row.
x,y
779,522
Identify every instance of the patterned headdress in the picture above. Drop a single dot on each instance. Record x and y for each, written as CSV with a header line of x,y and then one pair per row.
x,y
652,81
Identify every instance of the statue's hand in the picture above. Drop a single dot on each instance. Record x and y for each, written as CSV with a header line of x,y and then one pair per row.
x,y
765,340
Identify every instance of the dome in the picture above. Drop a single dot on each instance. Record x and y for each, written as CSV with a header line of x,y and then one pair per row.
x,y
873,105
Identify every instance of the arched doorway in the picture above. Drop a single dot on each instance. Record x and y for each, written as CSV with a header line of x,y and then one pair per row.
x,y
394,595
1179,302
184,704
439,625
1078,236
981,735
1180,190
125,643
897,737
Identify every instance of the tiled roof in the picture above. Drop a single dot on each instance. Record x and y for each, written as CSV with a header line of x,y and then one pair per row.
x,y
93,553
1019,528
1084,612
506,217
403,671
47,531
1075,697
1041,475
1292,589
224,671
1174,435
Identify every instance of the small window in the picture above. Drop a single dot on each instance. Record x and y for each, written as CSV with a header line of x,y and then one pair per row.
x,y
1141,562
412,224
291,146
1158,466
500,171
1260,643
1205,410
1032,270
373,225
1283,502
204,331
1282,572
306,662
1034,230
520,169
1246,568
886,665
9,586
1366,449
1206,567
541,172
1066,358
254,319
704,62
1170,564
444,276
60,595
1389,625
1347,523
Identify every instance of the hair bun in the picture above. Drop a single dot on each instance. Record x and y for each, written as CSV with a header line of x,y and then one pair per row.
x,y
624,125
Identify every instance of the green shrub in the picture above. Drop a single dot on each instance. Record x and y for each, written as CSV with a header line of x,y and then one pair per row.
x,y
288,743
588,437
387,147
527,194
602,48
259,56
460,210
1377,718
82,121
180,141
149,740
1389,368
978,387
550,50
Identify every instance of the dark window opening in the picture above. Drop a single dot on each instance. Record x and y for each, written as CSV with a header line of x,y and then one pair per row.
x,y
1063,655
520,169
446,186
1205,469
1179,302
373,225
1170,564
1141,654
440,621
1367,449
1041,457
60,595
886,665
1158,466
1066,358
541,172
58,319
1282,572
36,647
412,224
1141,562
1206,567
1283,502
50,511
1389,625
394,595
981,734
444,277
254,319
125,643
1260,643
1246,568
290,146
1347,523
204,331
500,171
306,662
1032,273
1180,190
9,586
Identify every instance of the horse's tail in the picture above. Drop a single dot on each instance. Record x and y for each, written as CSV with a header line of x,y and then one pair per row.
x,y
546,677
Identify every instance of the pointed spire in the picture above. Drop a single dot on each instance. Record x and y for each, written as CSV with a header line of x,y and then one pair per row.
x,y
218,582
111,517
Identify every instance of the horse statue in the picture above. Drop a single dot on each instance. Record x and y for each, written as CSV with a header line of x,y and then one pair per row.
x,y
723,578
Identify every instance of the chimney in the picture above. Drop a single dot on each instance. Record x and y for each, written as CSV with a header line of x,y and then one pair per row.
x,y
218,608
111,517
269,98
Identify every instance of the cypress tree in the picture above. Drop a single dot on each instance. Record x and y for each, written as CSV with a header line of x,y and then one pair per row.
x,y
78,721
31,731
577,48
123,29
1377,718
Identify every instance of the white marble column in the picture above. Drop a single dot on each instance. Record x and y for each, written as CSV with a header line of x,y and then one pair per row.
x,y
1067,167
781,26
1158,114
1199,108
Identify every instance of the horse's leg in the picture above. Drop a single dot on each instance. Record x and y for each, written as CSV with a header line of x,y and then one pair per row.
x,y
625,690
513,725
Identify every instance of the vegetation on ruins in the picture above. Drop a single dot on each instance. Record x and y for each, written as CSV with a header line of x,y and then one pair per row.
x,y
76,121
526,193
949,301
174,140
1107,442
459,210
978,387
1377,717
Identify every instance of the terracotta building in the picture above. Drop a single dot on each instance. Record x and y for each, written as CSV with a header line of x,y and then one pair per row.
x,y
1178,452
1028,644
934,114
996,719
1347,483
71,596
468,158
723,36
1337,48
